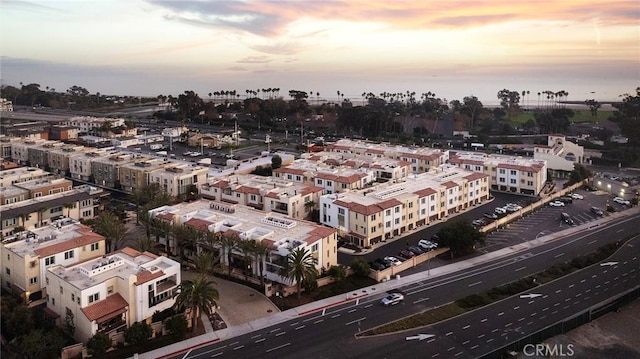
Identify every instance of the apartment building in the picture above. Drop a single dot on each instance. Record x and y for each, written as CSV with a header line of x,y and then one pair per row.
x,y
63,133
12,194
560,155
59,158
421,158
5,145
92,124
27,255
20,150
279,233
331,178
6,105
80,164
179,179
45,186
294,200
384,169
525,176
134,175
109,293
372,215
78,203
39,154
21,174
106,170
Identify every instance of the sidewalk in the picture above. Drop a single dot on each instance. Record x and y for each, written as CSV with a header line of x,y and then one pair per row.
x,y
379,288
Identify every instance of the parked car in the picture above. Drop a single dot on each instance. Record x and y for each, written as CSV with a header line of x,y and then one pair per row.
x,y
491,215
392,299
406,254
621,201
393,260
478,222
597,211
427,245
566,219
576,196
511,207
377,266
565,199
556,204
383,262
415,250
500,210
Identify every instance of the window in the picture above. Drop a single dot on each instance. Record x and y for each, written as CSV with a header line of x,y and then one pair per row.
x,y
32,264
50,260
8,256
68,254
513,172
319,181
410,204
340,210
388,224
397,220
94,298
388,212
78,300
33,280
61,290
95,246
7,270
314,248
397,209
53,301
253,197
502,171
513,181
109,289
56,209
73,297
373,217
329,183
373,229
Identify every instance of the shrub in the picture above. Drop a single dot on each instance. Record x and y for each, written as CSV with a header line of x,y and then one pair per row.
x,y
177,326
99,344
138,333
360,267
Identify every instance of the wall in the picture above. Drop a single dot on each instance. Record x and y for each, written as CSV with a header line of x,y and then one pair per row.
x,y
392,271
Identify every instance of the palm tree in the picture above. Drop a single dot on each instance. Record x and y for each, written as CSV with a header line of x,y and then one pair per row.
x,y
24,217
68,206
246,249
145,244
300,267
205,262
40,211
199,295
110,226
228,243
260,251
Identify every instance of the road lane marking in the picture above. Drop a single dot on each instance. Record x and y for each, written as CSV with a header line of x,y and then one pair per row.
x,y
531,302
534,314
516,307
556,304
593,241
501,313
216,354
558,255
281,333
458,353
466,327
579,294
495,330
352,310
278,347
335,316
292,324
616,278
542,317
420,300
355,321
567,299
519,269
368,305
448,334
566,307
318,321
521,319
275,330
582,281
474,347
587,291
480,336
260,340
620,231
255,336
483,320
571,285
508,324
435,355
465,342
476,283
529,323
238,347
431,340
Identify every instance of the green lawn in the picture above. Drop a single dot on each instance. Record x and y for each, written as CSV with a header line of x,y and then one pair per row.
x,y
580,116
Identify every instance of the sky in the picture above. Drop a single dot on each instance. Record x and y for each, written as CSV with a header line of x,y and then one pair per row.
x,y
453,48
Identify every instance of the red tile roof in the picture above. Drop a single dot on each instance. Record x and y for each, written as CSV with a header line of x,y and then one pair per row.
x,y
248,190
319,233
476,175
220,184
166,216
145,276
130,251
310,189
85,239
106,308
425,192
450,184
390,203
199,224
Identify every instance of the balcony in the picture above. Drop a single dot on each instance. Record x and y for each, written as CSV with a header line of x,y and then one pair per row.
x,y
280,208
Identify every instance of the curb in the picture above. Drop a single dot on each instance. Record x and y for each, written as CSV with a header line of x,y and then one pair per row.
x,y
188,349
332,305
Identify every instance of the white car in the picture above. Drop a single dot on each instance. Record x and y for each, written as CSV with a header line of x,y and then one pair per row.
x,y
500,210
556,204
576,196
512,207
427,245
393,260
621,201
392,299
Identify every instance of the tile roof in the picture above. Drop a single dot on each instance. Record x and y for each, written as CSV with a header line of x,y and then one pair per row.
x,y
87,238
475,176
310,189
130,251
390,203
105,308
425,192
247,189
166,216
450,184
199,224
145,276
319,233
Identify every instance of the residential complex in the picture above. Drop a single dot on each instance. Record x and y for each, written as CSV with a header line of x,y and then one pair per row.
x,y
561,155
93,124
372,215
525,176
279,233
27,255
179,179
109,293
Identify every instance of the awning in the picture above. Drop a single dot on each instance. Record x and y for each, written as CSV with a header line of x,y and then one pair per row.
x,y
106,317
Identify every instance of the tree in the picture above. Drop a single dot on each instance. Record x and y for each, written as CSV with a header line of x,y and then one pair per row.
x,y
69,326
338,272
68,206
145,244
627,116
199,295
461,237
177,326
260,251
246,250
593,107
300,267
110,226
578,174
40,344
276,162
228,243
205,262
509,100
360,267
138,333
471,106
99,344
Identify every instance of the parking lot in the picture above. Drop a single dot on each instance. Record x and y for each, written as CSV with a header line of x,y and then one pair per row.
x,y
547,220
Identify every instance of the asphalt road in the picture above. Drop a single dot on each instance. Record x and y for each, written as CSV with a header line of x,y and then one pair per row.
x,y
332,334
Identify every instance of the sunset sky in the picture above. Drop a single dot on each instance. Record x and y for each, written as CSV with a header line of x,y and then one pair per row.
x,y
453,48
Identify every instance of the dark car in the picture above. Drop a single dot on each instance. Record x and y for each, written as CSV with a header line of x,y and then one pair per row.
x,y
565,199
597,211
406,254
386,264
566,219
415,250
377,266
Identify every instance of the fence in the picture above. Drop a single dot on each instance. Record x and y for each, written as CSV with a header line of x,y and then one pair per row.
x,y
392,271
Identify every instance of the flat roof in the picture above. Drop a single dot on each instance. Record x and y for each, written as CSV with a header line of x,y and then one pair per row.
x,y
14,210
